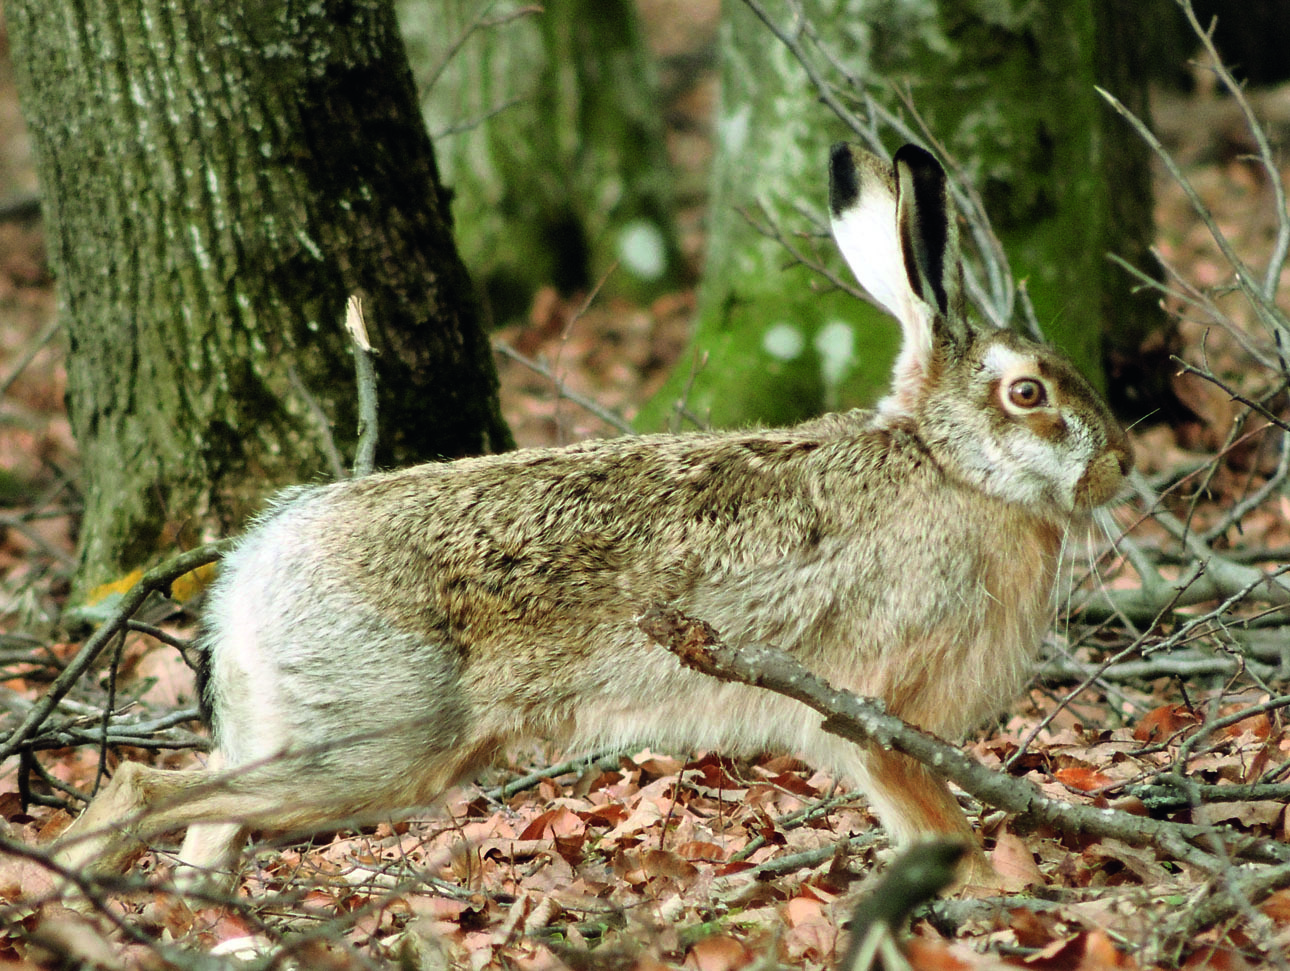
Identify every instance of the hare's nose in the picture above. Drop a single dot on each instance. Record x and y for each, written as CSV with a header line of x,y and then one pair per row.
x,y
1101,480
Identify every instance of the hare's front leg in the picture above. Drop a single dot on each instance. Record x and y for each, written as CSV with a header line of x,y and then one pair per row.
x,y
914,803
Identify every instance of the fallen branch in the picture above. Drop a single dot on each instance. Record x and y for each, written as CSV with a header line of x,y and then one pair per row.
x,y
1247,888
1163,797
604,760
1188,664
866,721
86,727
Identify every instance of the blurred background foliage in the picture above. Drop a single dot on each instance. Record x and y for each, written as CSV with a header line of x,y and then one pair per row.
x,y
550,127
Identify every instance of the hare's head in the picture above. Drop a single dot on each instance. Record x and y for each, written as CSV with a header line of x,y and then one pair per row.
x,y
1012,417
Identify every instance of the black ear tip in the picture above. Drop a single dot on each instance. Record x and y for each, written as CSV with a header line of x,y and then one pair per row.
x,y
844,185
917,158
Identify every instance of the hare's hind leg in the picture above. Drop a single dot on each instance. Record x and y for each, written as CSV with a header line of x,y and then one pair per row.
x,y
209,849
209,852
138,804
141,804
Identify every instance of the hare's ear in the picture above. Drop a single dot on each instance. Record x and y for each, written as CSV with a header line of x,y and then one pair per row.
x,y
897,229
862,207
929,232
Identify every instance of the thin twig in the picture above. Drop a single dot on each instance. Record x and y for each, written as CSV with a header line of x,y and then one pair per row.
x,y
43,338
318,416
610,418
365,377
1281,247
1267,312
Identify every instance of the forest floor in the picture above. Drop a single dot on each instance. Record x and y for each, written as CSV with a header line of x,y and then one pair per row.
x,y
647,859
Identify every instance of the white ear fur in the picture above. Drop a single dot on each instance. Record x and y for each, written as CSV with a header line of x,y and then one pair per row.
x,y
878,235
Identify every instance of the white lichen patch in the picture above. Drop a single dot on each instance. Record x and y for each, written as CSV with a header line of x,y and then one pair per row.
x,y
783,341
642,250
835,342
732,130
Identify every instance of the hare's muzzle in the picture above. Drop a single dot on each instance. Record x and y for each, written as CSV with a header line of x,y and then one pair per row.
x,y
1103,477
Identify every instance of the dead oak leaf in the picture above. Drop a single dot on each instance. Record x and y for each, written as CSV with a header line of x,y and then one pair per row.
x,y
1164,722
1015,864
1253,812
1084,778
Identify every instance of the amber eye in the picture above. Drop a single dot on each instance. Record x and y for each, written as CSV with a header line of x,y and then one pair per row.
x,y
1027,393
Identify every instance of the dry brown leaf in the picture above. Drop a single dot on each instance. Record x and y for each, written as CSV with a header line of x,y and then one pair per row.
x,y
69,938
1263,812
668,865
931,955
1100,953
1164,722
1216,958
1258,725
1277,906
810,934
701,851
1137,860
718,953
1014,863
1083,778
560,821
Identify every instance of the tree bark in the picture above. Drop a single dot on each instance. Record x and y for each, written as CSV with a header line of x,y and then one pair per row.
x,y
217,178
1138,339
549,131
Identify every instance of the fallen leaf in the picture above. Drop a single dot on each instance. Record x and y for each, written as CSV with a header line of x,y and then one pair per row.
x,y
1100,952
1252,812
700,850
555,822
72,939
932,955
1163,722
1014,863
717,953
1083,778
1277,906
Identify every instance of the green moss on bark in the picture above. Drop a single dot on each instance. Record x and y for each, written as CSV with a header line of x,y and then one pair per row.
x,y
218,178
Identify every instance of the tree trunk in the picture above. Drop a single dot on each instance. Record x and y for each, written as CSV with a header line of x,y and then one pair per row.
x,y
1138,338
217,178
1007,87
769,347
549,133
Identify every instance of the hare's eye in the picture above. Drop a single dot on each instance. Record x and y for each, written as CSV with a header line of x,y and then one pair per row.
x,y
1027,393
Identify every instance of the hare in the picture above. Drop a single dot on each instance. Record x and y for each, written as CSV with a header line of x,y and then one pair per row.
x,y
372,642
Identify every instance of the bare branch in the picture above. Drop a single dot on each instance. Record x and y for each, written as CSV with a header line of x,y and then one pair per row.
x,y
1266,310
866,721
611,418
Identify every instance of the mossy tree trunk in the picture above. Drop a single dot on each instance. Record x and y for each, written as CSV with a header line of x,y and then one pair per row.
x,y
549,132
1008,88
217,178
771,348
